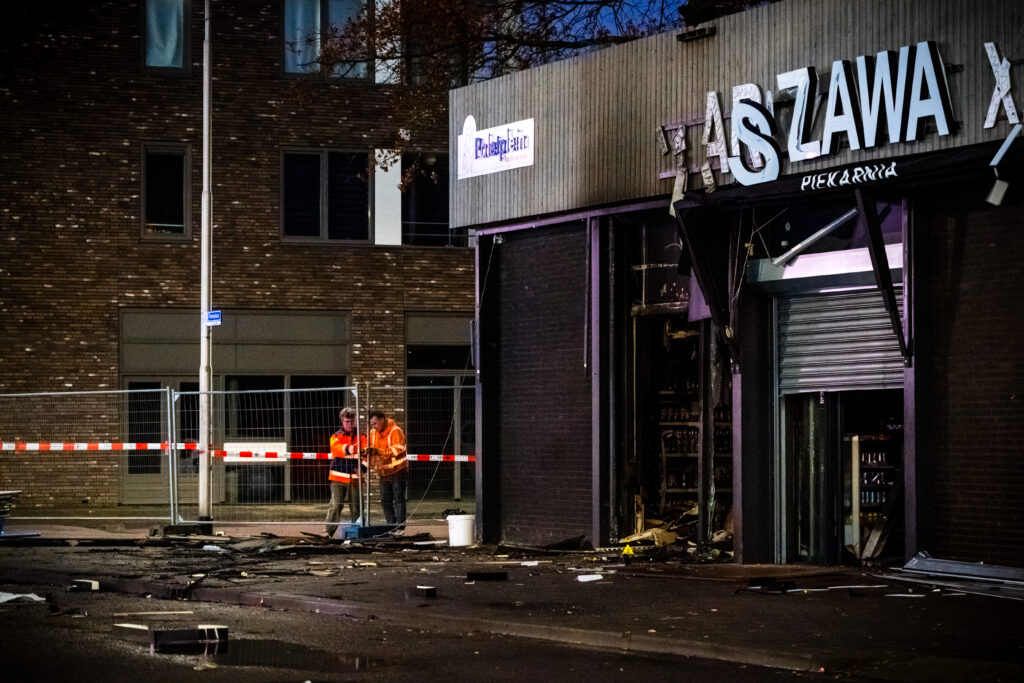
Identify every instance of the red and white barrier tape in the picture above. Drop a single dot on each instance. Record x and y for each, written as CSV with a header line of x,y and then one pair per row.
x,y
79,446
191,446
323,456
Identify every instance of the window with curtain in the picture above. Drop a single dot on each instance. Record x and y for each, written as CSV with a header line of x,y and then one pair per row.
x,y
165,35
326,195
309,24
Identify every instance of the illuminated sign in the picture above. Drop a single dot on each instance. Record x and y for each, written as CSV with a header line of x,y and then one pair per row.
x,y
495,149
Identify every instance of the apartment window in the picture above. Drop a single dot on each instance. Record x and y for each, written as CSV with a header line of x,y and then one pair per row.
x,y
165,192
326,195
308,37
166,37
425,200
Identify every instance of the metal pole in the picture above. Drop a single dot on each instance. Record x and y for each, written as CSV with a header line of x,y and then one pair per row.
x,y
170,399
205,371
359,463
457,437
369,470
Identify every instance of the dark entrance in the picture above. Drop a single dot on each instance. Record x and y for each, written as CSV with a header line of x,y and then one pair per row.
x,y
843,476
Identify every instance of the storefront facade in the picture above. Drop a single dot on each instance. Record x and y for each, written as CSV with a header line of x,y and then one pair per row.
x,y
755,281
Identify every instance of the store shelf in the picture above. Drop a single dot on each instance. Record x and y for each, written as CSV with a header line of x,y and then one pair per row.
x,y
681,490
680,455
678,424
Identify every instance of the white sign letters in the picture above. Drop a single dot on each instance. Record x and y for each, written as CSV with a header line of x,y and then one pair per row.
x,y
1001,94
897,92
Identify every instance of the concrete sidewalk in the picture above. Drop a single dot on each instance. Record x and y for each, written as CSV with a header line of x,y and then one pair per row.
x,y
839,621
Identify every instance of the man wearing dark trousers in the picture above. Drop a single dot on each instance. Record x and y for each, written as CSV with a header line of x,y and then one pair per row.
x,y
343,474
387,450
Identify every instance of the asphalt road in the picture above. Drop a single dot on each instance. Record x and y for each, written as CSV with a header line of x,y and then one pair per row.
x,y
73,638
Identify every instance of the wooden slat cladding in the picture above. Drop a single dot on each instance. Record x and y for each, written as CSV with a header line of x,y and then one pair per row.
x,y
596,116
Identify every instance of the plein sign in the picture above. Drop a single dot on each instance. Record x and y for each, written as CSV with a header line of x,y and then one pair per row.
x,y
212,318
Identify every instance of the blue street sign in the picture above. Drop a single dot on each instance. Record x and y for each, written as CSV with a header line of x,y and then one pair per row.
x,y
212,318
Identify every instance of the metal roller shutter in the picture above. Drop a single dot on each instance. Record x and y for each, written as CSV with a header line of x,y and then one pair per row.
x,y
829,342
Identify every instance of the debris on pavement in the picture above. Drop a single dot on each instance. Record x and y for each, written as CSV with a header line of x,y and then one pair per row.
x,y
770,585
659,536
203,639
584,578
77,585
421,591
486,576
26,598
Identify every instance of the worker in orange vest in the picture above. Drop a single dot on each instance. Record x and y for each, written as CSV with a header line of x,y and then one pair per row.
x,y
346,443
388,457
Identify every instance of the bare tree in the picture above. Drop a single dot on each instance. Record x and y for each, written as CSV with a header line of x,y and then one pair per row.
x,y
420,49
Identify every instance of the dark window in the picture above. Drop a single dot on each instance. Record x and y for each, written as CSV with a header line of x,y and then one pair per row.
x,y
164,209
313,411
348,197
166,35
425,201
254,408
437,357
308,39
144,426
302,195
440,421
335,181
188,426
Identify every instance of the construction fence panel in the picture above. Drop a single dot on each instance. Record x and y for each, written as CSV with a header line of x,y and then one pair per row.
x,y
97,455
438,418
270,453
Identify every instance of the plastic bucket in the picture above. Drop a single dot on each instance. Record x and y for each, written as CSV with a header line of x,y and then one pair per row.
x,y
460,530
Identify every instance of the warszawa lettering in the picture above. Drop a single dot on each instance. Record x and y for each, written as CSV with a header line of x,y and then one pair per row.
x,y
890,95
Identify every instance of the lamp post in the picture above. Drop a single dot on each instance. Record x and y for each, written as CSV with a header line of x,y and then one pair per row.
x,y
206,337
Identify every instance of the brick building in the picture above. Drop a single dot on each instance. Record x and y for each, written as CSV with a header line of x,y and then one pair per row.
x,y
327,274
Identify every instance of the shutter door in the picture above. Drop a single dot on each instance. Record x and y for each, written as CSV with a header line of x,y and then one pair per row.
x,y
829,342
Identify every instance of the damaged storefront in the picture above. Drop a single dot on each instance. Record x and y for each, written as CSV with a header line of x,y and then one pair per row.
x,y
781,329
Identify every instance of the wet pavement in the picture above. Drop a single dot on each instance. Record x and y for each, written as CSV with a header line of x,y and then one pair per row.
x,y
855,622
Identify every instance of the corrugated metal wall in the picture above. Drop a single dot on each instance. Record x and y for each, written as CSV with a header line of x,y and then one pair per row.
x,y
596,116
832,342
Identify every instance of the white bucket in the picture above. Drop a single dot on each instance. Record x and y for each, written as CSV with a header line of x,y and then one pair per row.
x,y
460,530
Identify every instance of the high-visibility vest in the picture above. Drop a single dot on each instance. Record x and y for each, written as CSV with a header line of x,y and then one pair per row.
x,y
390,445
345,457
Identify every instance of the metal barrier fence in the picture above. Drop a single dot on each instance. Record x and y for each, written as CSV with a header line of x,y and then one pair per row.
x,y
87,455
439,423
133,454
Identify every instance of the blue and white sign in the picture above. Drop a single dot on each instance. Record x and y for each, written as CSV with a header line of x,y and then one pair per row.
x,y
495,149
212,318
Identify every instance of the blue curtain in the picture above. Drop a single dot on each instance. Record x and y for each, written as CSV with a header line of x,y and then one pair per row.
x,y
301,35
165,36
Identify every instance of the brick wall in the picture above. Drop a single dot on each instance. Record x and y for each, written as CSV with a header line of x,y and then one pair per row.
x,y
971,408
543,406
78,108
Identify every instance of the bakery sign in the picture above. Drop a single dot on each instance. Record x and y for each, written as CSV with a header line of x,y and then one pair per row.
x,y
882,99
